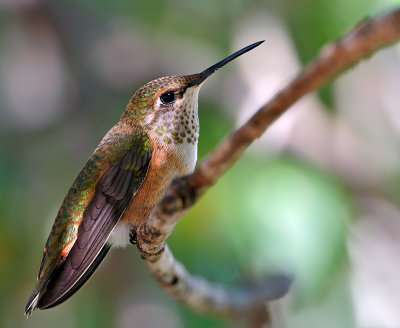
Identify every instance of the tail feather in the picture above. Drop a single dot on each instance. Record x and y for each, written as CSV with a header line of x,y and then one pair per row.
x,y
35,296
32,304
50,292
56,292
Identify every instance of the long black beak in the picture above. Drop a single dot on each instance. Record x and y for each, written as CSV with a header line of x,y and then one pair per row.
x,y
207,72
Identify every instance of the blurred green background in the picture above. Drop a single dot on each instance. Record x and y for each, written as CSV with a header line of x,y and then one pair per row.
x,y
317,195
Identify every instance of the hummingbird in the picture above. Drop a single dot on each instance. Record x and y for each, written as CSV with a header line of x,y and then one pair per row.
x,y
154,142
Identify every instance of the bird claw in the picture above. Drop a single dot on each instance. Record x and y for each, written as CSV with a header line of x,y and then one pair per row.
x,y
132,236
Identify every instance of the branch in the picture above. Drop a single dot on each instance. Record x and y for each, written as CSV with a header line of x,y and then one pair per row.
x,y
199,294
364,39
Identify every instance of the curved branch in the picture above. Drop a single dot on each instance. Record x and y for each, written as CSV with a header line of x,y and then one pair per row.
x,y
365,38
198,293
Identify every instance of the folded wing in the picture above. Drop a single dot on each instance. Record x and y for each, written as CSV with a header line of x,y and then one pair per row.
x,y
112,194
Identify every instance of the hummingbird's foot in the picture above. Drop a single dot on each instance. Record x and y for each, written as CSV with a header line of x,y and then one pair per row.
x,y
132,236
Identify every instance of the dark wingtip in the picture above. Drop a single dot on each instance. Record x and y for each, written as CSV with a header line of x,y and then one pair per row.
x,y
58,291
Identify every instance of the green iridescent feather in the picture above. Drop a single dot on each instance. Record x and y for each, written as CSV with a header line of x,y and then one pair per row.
x,y
64,231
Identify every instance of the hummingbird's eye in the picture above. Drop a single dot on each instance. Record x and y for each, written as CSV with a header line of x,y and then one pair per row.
x,y
168,97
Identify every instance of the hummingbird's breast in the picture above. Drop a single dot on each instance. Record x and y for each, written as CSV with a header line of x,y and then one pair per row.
x,y
168,161
174,136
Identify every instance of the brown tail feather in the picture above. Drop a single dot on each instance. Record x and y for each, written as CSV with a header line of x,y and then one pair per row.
x,y
51,296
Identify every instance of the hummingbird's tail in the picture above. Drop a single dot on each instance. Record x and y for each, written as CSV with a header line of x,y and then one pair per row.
x,y
59,289
45,294
31,305
34,298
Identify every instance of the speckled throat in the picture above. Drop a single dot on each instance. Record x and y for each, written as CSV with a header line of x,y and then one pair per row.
x,y
181,124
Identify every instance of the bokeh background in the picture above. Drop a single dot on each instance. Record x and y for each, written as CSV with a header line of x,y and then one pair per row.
x,y
317,195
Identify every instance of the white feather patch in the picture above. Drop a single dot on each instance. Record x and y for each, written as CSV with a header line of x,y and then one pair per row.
x,y
119,237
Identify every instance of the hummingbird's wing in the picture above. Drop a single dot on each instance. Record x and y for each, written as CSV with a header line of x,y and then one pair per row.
x,y
70,257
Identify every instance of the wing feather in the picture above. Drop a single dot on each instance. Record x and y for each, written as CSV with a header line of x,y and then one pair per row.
x,y
100,217
113,192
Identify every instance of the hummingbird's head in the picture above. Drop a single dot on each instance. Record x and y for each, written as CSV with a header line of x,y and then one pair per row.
x,y
167,93
170,103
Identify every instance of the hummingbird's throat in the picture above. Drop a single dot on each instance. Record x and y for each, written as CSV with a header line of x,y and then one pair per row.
x,y
186,118
179,123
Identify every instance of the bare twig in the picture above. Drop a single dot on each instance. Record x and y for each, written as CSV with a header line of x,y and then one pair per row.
x,y
199,294
365,38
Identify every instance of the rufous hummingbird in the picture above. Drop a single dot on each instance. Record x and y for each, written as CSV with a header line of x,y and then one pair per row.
x,y
154,142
